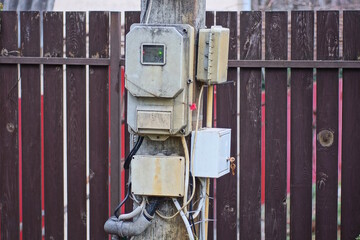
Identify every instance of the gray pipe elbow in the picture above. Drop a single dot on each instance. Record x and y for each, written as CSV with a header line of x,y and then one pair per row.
x,y
126,229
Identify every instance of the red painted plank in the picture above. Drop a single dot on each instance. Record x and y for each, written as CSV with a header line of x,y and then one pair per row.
x,y
276,30
76,126
327,93
250,127
9,132
53,128
302,36
31,120
98,121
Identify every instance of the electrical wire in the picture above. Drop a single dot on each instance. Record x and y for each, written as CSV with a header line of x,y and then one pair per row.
x,y
123,201
193,177
133,152
186,222
187,167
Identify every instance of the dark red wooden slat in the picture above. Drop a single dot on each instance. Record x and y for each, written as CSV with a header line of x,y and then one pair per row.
x,y
130,18
226,186
115,112
302,35
53,128
76,123
350,194
31,119
250,127
327,127
276,30
9,144
209,21
99,121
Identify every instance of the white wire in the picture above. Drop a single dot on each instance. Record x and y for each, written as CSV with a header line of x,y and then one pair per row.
x,y
186,221
148,10
187,169
134,213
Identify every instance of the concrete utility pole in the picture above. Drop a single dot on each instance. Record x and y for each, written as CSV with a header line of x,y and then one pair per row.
x,y
170,12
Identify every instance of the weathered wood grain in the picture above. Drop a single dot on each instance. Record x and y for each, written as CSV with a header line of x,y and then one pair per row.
x,y
327,121
76,126
98,124
9,131
31,132
250,127
53,128
350,194
276,30
302,36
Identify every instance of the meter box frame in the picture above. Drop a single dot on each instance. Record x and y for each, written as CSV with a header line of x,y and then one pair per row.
x,y
213,52
211,158
158,175
160,88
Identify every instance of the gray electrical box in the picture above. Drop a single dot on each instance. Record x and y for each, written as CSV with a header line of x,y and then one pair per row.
x,y
213,55
159,75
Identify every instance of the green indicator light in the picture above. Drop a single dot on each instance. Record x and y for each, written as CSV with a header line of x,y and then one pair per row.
x,y
160,52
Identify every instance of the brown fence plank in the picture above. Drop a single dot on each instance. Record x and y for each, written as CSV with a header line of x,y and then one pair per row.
x,y
226,186
31,119
350,194
98,124
276,30
302,35
327,123
53,128
9,144
76,123
209,21
250,127
130,18
115,112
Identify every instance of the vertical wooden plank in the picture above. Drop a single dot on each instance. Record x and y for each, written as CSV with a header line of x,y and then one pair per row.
x,y
53,128
302,36
98,121
276,30
76,126
115,112
350,194
130,18
226,192
9,144
250,127
31,117
209,21
327,93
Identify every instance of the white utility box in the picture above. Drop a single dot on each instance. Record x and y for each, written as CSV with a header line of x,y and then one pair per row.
x,y
159,75
212,152
158,175
213,55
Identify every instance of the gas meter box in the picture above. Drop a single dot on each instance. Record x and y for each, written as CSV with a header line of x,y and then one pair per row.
x,y
213,55
159,75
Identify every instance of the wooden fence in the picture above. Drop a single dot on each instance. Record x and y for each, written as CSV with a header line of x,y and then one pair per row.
x,y
61,103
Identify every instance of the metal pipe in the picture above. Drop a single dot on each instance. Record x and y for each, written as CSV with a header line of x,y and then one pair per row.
x,y
115,226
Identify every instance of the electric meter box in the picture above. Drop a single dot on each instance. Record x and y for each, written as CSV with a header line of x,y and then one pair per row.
x,y
158,75
212,152
158,175
213,55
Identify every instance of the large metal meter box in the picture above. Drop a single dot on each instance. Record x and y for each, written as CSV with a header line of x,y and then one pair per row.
x,y
159,75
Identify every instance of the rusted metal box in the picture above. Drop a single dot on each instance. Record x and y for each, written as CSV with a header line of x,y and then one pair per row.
x,y
158,175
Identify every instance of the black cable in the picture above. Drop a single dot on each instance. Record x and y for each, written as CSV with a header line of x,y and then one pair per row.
x,y
133,152
191,218
123,201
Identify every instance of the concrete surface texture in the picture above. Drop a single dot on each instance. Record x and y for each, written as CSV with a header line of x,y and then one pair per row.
x,y
128,5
